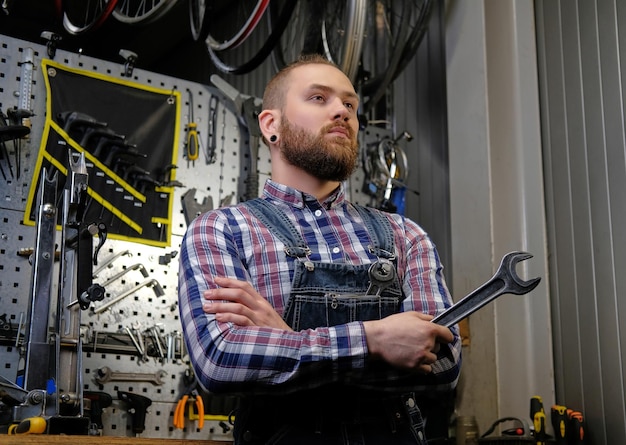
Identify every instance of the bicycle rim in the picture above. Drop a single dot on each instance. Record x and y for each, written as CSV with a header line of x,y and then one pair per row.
x,y
224,38
302,34
333,28
81,16
141,11
394,32
257,48
199,19
343,28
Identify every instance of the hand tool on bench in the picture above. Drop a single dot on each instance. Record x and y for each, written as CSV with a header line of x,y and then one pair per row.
x,y
558,415
505,281
538,417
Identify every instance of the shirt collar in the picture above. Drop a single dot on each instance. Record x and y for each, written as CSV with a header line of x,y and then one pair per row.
x,y
295,198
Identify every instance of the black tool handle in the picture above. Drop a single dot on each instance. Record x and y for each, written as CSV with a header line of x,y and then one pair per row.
x,y
138,408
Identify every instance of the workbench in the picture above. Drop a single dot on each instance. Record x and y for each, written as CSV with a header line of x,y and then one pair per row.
x,y
44,439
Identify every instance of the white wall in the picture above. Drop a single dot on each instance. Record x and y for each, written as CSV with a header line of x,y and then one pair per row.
x,y
497,202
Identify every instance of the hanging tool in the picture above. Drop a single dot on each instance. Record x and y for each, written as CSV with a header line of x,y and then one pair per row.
x,y
151,282
504,281
191,144
248,109
191,391
211,150
192,208
11,133
138,406
98,401
20,122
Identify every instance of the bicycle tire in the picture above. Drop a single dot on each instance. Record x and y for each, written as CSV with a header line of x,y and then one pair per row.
x,y
199,19
333,28
58,9
82,16
344,51
389,53
250,10
301,35
134,12
237,62
387,76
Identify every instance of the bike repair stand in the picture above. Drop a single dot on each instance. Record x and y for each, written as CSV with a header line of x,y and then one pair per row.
x,y
50,397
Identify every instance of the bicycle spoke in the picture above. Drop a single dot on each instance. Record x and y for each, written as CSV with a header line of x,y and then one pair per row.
x,y
333,28
81,16
342,31
142,11
394,31
302,34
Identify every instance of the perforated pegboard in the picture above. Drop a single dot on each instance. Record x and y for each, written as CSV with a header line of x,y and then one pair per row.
x,y
221,181
142,307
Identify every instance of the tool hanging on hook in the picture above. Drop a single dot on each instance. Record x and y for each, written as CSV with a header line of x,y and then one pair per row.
x,y
191,144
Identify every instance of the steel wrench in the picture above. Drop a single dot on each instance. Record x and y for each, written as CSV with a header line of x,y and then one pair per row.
x,y
504,281
105,374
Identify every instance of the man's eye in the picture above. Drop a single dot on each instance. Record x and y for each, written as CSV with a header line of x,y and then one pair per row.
x,y
349,105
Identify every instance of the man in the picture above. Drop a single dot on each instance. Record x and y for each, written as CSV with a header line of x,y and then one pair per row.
x,y
316,311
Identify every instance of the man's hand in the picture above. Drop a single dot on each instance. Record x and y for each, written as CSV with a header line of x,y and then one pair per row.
x,y
406,340
238,302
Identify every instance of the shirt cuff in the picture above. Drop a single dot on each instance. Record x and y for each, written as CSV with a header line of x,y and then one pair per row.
x,y
349,345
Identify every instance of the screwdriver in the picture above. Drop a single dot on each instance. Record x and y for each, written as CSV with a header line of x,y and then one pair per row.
x,y
192,145
31,425
538,416
576,426
559,423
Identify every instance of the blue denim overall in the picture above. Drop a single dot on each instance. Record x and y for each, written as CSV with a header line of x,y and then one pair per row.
x,y
325,294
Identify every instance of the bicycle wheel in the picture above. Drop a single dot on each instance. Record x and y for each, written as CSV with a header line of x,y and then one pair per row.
x,y
333,28
394,31
258,46
134,12
242,19
81,16
342,31
199,19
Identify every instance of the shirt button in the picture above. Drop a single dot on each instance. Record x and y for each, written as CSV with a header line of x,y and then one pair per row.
x,y
318,212
336,249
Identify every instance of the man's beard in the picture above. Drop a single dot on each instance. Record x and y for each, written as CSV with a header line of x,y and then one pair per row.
x,y
331,159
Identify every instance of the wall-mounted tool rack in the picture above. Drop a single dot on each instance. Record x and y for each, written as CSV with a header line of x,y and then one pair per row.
x,y
140,334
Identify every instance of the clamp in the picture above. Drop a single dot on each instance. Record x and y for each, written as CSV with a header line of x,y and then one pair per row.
x,y
191,392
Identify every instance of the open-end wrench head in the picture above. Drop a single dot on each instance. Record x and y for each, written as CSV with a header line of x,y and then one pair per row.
x,y
508,273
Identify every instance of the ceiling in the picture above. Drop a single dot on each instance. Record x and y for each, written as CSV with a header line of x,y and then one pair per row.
x,y
164,46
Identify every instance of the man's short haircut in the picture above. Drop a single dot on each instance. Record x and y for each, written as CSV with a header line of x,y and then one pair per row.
x,y
276,89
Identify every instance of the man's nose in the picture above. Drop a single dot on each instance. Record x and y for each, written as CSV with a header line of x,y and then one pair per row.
x,y
340,110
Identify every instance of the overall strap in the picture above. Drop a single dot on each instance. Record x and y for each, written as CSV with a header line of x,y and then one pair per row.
x,y
273,217
380,230
377,225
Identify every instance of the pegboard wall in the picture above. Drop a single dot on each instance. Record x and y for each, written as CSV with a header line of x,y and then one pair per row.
x,y
146,275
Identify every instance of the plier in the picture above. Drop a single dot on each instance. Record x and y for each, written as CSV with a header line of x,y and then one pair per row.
x,y
191,391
